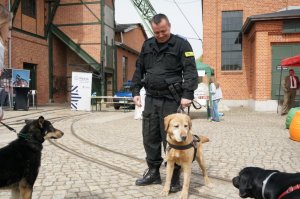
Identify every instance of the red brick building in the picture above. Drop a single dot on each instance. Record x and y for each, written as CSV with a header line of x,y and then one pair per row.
x,y
244,42
129,40
54,38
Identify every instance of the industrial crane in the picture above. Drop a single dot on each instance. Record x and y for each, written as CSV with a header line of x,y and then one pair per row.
x,y
146,12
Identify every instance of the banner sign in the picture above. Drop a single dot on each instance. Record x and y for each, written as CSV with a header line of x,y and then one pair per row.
x,y
281,67
81,91
201,73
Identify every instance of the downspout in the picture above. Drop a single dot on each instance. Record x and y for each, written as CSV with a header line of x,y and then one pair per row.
x,y
115,68
115,81
102,47
9,41
50,60
10,94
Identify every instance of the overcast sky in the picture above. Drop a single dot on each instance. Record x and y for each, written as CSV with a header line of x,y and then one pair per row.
x,y
126,13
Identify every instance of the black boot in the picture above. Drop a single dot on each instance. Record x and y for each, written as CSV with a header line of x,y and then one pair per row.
x,y
175,182
151,176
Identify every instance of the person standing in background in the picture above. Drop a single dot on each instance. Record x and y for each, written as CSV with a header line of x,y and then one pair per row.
x,y
216,96
290,86
5,34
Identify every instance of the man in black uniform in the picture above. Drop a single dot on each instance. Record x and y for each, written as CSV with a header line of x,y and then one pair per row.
x,y
166,68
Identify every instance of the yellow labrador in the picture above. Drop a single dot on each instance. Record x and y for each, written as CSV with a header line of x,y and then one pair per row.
x,y
182,149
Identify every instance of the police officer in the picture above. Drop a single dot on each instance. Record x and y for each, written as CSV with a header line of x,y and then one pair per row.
x,y
166,68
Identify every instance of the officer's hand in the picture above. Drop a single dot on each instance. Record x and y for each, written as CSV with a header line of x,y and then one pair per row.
x,y
137,101
185,102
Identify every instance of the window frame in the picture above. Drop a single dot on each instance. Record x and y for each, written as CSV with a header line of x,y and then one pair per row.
x,y
124,68
28,8
291,26
231,40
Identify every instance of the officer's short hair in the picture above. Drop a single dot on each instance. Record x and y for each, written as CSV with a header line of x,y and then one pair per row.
x,y
156,19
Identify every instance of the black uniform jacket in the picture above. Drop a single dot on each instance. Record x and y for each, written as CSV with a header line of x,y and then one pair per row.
x,y
173,62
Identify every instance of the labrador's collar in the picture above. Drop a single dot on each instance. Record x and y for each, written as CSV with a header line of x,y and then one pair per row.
x,y
184,147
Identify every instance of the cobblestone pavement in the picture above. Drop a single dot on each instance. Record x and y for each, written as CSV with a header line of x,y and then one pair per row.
x,y
101,153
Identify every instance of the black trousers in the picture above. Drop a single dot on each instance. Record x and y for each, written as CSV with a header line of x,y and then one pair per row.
x,y
156,108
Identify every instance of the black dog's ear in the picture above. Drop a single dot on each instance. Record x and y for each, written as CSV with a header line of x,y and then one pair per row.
x,y
28,121
41,121
236,181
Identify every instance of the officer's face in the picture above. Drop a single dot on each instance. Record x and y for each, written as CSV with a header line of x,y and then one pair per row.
x,y
161,31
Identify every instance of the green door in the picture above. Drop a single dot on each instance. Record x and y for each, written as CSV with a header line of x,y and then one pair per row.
x,y
280,52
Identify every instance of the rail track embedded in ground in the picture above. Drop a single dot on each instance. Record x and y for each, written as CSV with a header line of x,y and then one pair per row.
x,y
91,158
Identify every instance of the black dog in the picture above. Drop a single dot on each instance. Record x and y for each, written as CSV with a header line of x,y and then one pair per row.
x,y
254,182
20,160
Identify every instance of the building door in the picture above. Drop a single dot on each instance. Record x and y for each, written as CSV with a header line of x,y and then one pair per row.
x,y
32,68
280,52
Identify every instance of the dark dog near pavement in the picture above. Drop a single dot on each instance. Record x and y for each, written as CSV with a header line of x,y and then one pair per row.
x,y
254,182
20,160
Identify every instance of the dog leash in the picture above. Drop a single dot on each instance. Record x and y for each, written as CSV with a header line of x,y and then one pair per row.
x,y
180,109
8,127
289,190
194,103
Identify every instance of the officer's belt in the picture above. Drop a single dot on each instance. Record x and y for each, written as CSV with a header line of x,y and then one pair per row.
x,y
158,92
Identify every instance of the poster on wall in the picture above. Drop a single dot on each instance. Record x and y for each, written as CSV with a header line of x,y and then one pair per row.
x,y
81,91
20,78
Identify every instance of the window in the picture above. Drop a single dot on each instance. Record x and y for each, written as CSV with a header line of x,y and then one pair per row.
x,y
124,68
291,26
232,22
29,8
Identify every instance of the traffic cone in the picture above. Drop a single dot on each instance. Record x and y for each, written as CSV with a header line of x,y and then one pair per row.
x,y
295,127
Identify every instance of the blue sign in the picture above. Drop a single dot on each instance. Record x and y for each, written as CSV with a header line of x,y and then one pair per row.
x,y
20,78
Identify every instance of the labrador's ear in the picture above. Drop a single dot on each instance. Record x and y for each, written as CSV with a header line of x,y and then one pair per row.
x,y
167,120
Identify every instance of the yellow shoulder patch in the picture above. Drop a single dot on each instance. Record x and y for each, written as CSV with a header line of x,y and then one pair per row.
x,y
189,54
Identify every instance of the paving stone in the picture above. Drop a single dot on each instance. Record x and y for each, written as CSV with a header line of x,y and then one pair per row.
x,y
104,144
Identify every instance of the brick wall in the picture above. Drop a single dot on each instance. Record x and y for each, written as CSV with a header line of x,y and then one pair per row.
x,y
88,36
131,66
254,80
133,39
33,50
32,46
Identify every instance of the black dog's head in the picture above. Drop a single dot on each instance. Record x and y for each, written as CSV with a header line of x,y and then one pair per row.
x,y
39,130
249,181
